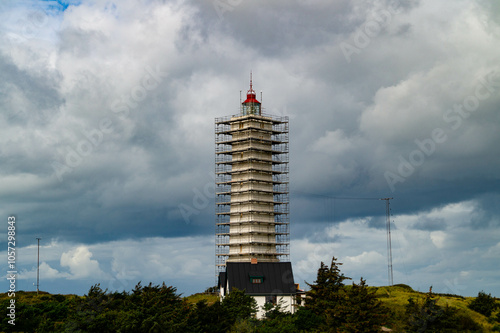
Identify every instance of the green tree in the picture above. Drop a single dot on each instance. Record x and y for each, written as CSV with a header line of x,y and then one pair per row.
x,y
428,316
306,320
283,324
209,318
211,290
276,320
341,308
423,317
162,309
274,311
150,308
243,326
365,313
239,305
88,312
483,304
45,313
327,297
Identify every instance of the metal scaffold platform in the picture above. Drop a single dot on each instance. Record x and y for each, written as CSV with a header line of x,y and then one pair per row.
x,y
252,194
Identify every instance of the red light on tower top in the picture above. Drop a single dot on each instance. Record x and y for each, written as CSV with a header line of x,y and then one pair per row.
x,y
251,105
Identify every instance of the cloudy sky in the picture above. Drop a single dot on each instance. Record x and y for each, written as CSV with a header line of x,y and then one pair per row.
x,y
107,145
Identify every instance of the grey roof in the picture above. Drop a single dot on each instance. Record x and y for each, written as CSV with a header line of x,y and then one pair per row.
x,y
277,278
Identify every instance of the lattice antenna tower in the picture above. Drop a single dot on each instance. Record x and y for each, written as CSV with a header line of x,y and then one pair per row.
x,y
389,245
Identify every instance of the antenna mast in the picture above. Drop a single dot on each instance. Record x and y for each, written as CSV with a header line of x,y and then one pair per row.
x,y
389,246
38,267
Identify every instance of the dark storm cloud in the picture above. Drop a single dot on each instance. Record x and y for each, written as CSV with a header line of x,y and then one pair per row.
x,y
152,134
430,224
125,98
37,92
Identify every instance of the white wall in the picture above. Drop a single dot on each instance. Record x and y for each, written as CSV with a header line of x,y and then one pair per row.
x,y
287,306
288,302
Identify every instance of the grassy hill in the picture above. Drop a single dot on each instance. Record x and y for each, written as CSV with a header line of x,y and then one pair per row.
x,y
396,298
210,298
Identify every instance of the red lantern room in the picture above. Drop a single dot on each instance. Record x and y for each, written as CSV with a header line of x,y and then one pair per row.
x,y
251,105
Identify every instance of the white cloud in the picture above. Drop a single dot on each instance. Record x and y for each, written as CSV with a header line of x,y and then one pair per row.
x,y
365,259
161,259
50,273
438,238
46,272
80,263
492,253
334,143
420,258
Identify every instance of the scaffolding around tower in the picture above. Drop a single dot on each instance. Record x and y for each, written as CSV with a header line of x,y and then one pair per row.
x,y
252,195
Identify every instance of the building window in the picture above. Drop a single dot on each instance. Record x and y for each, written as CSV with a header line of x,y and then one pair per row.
x,y
271,299
257,280
256,277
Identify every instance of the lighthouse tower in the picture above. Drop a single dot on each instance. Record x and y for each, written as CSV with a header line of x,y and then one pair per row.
x,y
252,205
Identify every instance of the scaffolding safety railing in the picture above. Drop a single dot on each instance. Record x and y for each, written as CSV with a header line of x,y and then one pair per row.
x,y
251,152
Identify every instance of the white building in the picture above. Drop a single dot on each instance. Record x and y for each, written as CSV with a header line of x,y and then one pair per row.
x,y
266,282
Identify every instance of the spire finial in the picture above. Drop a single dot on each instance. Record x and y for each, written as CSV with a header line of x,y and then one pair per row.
x,y
251,89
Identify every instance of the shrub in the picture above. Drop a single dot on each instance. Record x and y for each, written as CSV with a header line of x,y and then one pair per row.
x,y
483,304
